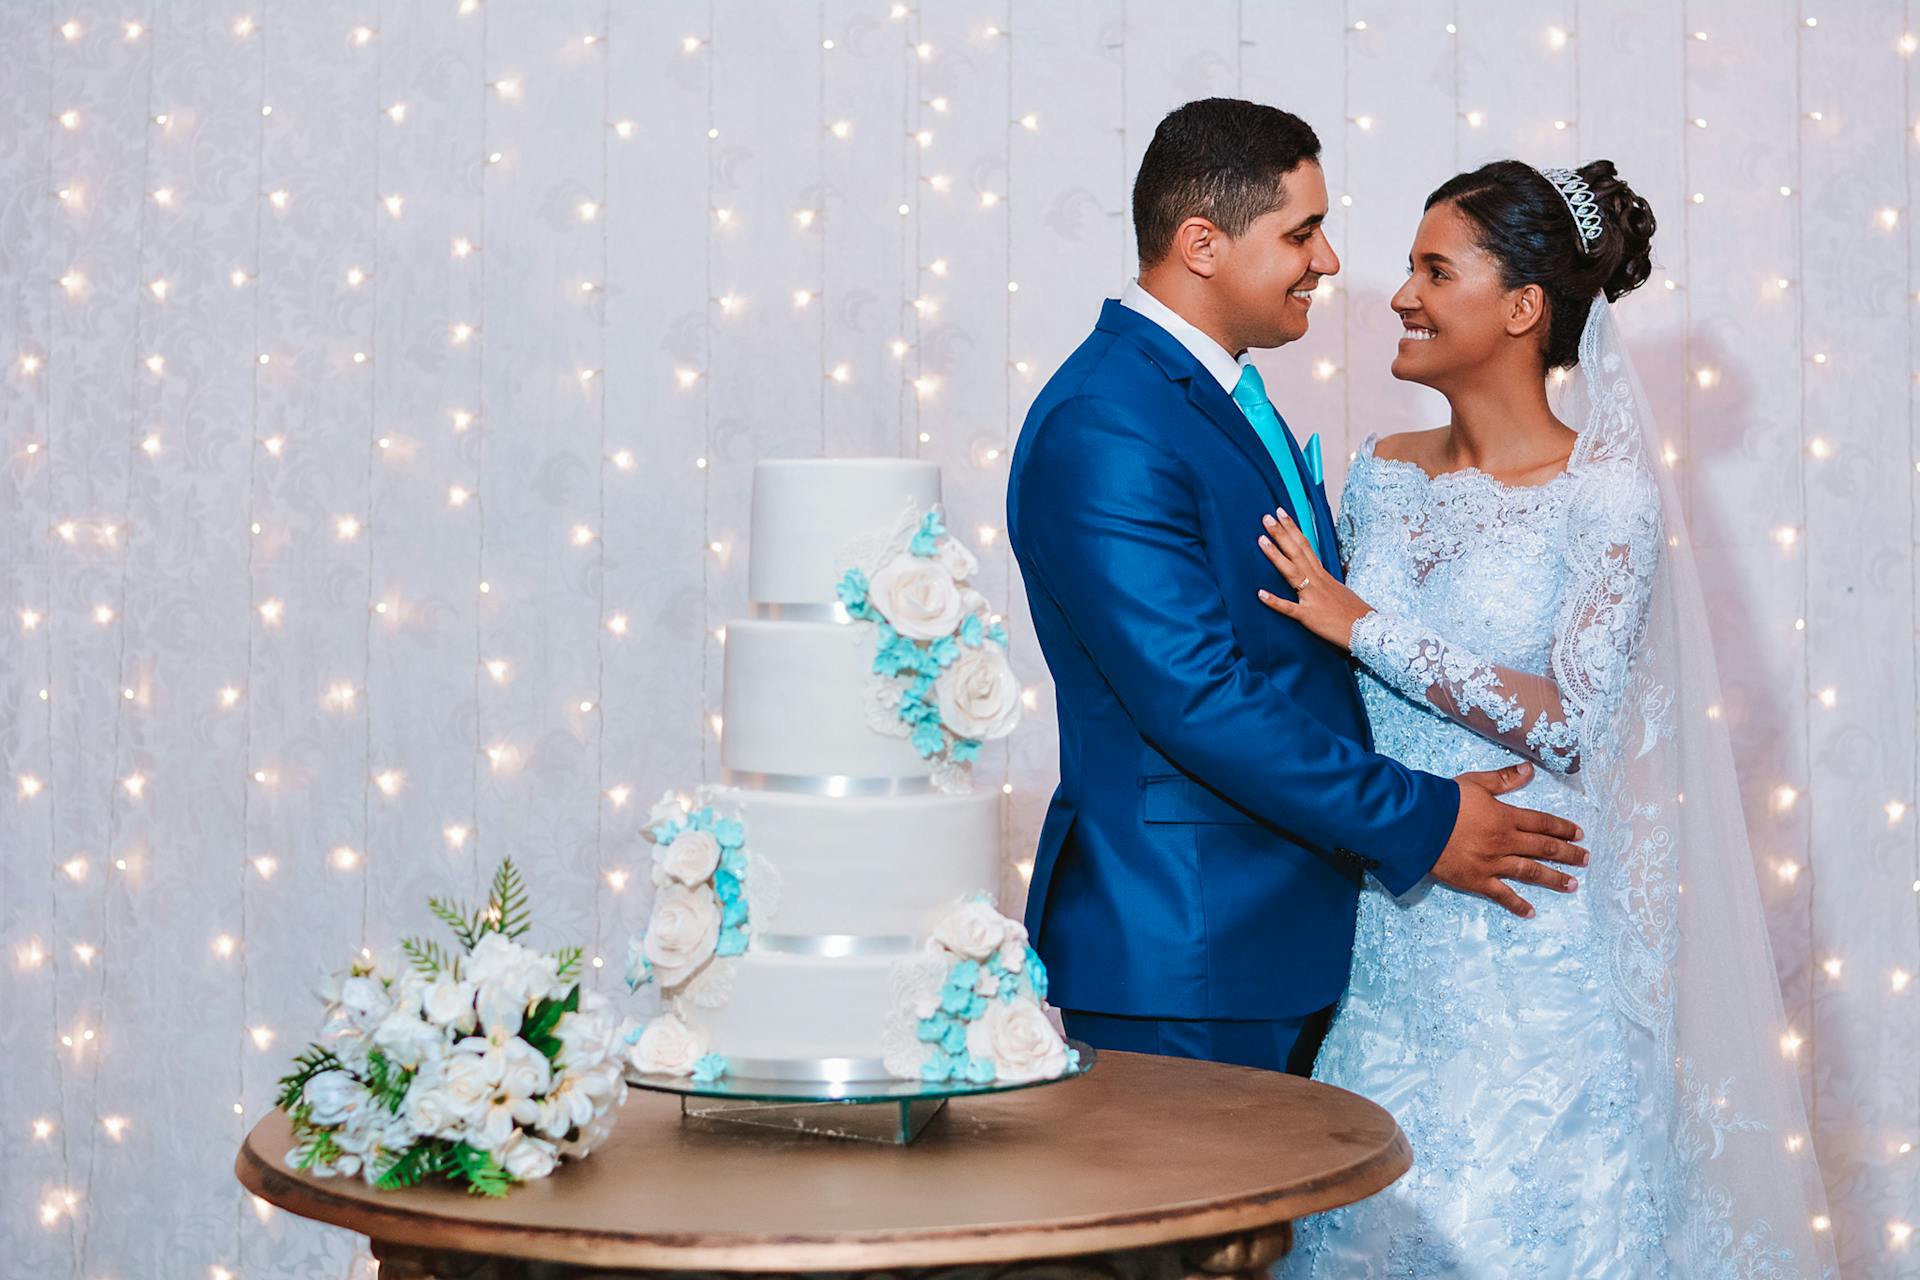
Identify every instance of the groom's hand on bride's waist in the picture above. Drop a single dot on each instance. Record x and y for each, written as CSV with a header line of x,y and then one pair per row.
x,y
1493,843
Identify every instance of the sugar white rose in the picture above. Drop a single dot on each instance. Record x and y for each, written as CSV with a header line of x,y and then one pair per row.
x,y
957,560
1020,1042
979,696
682,933
669,1047
917,597
692,858
973,929
666,809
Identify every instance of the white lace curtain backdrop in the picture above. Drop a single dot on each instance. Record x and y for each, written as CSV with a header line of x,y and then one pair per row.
x,y
380,386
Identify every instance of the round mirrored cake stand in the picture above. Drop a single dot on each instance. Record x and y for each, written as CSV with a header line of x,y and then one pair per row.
x,y
888,1111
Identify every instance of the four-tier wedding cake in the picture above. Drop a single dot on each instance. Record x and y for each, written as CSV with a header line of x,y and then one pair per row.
x,y
825,914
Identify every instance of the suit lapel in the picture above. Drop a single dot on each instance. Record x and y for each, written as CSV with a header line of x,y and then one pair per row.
x,y
1204,393
1322,511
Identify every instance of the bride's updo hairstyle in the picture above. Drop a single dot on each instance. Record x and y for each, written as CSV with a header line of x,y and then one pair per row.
x,y
1525,224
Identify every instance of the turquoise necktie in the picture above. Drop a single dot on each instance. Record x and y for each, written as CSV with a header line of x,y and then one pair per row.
x,y
1250,393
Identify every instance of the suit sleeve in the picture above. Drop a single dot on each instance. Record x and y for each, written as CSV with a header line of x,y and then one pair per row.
x,y
1107,524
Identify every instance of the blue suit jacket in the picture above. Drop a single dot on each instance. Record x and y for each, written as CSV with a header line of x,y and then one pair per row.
x,y
1218,801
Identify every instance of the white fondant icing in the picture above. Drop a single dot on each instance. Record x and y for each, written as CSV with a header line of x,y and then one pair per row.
x,y
795,1007
877,867
796,703
807,511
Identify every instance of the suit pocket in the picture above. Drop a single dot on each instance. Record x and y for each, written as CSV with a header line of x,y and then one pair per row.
x,y
1178,798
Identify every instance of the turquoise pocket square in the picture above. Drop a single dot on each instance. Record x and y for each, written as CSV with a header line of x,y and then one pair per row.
x,y
1312,452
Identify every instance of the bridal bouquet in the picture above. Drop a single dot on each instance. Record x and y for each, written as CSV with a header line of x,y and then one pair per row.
x,y
484,1065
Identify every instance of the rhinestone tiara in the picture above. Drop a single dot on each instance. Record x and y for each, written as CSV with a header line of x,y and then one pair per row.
x,y
1580,203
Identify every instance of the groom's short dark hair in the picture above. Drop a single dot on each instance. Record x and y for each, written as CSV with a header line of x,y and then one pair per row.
x,y
1221,159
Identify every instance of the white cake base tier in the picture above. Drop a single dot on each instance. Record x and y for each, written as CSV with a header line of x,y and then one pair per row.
x,y
802,1011
796,703
873,867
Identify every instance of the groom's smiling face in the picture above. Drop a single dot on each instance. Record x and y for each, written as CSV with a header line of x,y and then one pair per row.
x,y
1265,278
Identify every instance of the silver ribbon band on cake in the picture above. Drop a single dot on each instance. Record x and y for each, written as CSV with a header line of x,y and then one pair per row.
x,y
807,1070
834,785
834,945
801,613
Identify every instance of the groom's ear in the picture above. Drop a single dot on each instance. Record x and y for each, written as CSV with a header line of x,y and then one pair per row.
x,y
1196,243
1526,310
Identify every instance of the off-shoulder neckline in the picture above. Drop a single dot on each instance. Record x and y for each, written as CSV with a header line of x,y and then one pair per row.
x,y
1369,449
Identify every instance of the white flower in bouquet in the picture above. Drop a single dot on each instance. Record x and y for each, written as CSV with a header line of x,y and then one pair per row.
x,y
690,859
683,931
447,1067
335,1097
578,1097
957,560
526,1158
511,979
364,1002
917,597
972,929
1019,1040
586,1035
979,696
449,1002
409,1041
668,1047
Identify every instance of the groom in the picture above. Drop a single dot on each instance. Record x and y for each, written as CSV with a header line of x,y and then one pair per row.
x,y
1199,867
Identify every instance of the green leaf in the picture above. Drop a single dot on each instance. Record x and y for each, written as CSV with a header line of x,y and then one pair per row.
x,y
483,1173
538,1030
507,911
429,957
568,959
419,1161
308,1065
454,916
322,1150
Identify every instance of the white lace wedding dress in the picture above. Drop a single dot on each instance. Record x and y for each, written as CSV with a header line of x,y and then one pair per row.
x,y
1546,1142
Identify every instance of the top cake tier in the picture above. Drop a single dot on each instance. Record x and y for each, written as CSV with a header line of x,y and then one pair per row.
x,y
807,511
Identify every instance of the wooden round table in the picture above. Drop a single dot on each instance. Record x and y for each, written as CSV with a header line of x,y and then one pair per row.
x,y
1145,1168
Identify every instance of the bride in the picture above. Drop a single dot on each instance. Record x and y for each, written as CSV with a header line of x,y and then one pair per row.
x,y
1605,1089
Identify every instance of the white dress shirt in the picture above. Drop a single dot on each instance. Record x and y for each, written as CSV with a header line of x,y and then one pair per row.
x,y
1217,360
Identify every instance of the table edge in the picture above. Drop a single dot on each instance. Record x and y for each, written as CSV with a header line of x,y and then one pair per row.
x,y
308,1198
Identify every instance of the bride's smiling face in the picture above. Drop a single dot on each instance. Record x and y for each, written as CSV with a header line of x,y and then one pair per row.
x,y
1457,313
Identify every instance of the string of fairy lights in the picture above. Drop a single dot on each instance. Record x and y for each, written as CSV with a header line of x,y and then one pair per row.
x,y
926,269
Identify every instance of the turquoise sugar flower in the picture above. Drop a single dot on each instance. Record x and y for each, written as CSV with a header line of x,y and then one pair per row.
x,y
927,541
980,1071
852,590
731,834
971,631
943,652
709,1068
1036,974
733,941
965,750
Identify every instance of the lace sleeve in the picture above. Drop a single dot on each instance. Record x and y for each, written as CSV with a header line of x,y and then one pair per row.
x,y
1613,544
